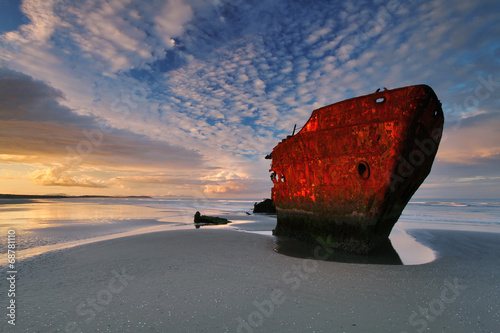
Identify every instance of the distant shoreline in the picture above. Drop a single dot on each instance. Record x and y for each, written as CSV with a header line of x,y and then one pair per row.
x,y
28,196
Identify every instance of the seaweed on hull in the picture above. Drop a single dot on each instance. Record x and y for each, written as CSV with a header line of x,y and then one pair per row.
x,y
201,220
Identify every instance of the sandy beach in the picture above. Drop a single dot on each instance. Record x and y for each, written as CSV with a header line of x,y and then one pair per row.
x,y
220,280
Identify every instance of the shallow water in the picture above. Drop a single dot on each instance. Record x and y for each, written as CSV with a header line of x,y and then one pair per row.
x,y
46,225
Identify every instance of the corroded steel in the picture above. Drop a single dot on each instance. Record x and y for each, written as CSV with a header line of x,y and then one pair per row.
x,y
350,171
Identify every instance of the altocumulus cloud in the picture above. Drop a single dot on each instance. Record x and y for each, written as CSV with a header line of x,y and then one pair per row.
x,y
222,82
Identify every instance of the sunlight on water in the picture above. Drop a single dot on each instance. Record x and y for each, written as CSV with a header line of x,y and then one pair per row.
x,y
48,222
47,225
31,252
409,250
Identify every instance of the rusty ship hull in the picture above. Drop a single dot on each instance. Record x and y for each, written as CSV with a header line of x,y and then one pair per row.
x,y
346,176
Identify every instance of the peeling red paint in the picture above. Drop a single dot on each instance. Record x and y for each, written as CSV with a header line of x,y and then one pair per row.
x,y
354,166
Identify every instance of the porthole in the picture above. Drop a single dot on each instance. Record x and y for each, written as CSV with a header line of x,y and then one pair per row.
x,y
380,100
273,176
363,170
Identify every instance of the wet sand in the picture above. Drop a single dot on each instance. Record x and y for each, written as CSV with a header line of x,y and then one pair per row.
x,y
219,280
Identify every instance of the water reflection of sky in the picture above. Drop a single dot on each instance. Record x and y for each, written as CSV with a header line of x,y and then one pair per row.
x,y
49,222
45,223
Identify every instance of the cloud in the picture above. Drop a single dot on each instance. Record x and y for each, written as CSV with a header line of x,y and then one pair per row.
x,y
116,34
171,20
473,140
7,159
59,176
125,33
23,98
41,26
317,35
217,84
468,158
476,178
35,124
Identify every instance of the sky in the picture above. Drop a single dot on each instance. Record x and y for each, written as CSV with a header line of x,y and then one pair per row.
x,y
186,97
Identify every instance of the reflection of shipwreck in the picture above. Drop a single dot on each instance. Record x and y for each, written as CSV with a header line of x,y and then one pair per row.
x,y
347,175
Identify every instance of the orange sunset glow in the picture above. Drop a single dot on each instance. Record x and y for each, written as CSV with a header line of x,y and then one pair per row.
x,y
111,100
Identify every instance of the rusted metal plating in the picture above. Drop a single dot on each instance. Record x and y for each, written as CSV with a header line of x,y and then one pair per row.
x,y
349,172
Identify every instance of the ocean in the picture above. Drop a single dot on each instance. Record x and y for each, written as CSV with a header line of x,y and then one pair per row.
x,y
46,225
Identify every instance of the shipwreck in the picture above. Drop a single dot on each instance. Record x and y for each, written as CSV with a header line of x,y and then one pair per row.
x,y
345,177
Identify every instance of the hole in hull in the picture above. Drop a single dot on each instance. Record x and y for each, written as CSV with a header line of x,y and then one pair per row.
x,y
363,170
